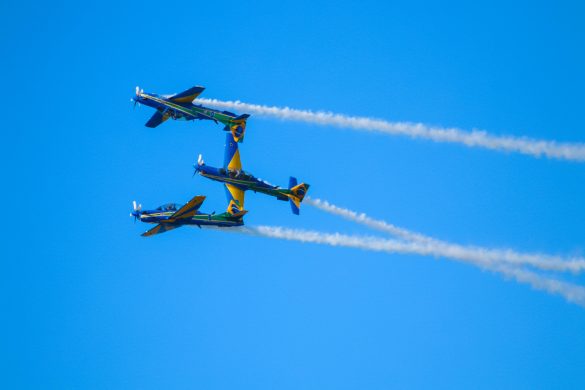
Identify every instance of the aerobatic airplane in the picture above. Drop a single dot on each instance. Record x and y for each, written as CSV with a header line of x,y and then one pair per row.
x,y
237,181
172,216
180,106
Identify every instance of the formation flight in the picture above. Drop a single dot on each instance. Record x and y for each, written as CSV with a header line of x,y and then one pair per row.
x,y
181,106
237,181
172,216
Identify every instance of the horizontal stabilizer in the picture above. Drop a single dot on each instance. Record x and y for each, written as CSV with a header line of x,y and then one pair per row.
x,y
294,206
240,214
242,117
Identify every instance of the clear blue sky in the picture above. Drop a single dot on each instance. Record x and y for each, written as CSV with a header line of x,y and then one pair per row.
x,y
88,303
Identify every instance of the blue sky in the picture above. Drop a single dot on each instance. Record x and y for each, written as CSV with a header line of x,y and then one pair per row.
x,y
88,303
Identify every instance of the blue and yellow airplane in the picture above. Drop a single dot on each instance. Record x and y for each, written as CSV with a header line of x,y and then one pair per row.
x,y
180,106
237,181
171,216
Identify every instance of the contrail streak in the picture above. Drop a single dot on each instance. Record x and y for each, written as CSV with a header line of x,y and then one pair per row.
x,y
473,138
456,251
572,293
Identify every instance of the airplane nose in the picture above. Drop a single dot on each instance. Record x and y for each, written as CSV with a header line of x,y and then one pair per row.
x,y
136,210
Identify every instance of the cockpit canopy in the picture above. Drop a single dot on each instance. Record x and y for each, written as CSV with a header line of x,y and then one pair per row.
x,y
167,207
242,175
236,174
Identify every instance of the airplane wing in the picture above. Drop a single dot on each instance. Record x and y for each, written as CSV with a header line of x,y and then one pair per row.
x,y
233,192
189,209
160,228
156,119
231,158
187,96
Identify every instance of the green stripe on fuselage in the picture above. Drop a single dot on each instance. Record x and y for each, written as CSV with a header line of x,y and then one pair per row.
x,y
223,218
250,186
194,111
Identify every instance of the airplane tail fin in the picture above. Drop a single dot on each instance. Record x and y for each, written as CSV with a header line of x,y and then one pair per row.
x,y
235,210
238,127
298,192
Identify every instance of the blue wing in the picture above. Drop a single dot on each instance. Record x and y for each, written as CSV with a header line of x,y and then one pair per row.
x,y
156,119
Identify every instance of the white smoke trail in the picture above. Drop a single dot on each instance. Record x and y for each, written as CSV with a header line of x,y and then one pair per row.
x,y
474,138
572,293
456,251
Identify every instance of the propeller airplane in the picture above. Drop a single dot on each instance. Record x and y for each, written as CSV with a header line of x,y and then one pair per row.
x,y
181,106
237,181
171,216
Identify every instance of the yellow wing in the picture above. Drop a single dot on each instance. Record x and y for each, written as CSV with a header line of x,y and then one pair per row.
x,y
160,228
235,193
189,209
187,96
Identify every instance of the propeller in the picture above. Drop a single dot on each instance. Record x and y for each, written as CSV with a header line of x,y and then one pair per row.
x,y
200,163
136,209
138,93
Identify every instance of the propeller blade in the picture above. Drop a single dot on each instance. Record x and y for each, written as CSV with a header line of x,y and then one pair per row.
x,y
134,205
137,91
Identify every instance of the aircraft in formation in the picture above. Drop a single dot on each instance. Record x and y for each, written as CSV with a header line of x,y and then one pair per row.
x,y
237,181
171,216
180,106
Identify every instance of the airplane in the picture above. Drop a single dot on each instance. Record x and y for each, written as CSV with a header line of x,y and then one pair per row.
x,y
237,181
171,216
180,106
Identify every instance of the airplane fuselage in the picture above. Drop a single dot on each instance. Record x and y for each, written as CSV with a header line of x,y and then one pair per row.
x,y
243,181
200,219
185,111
